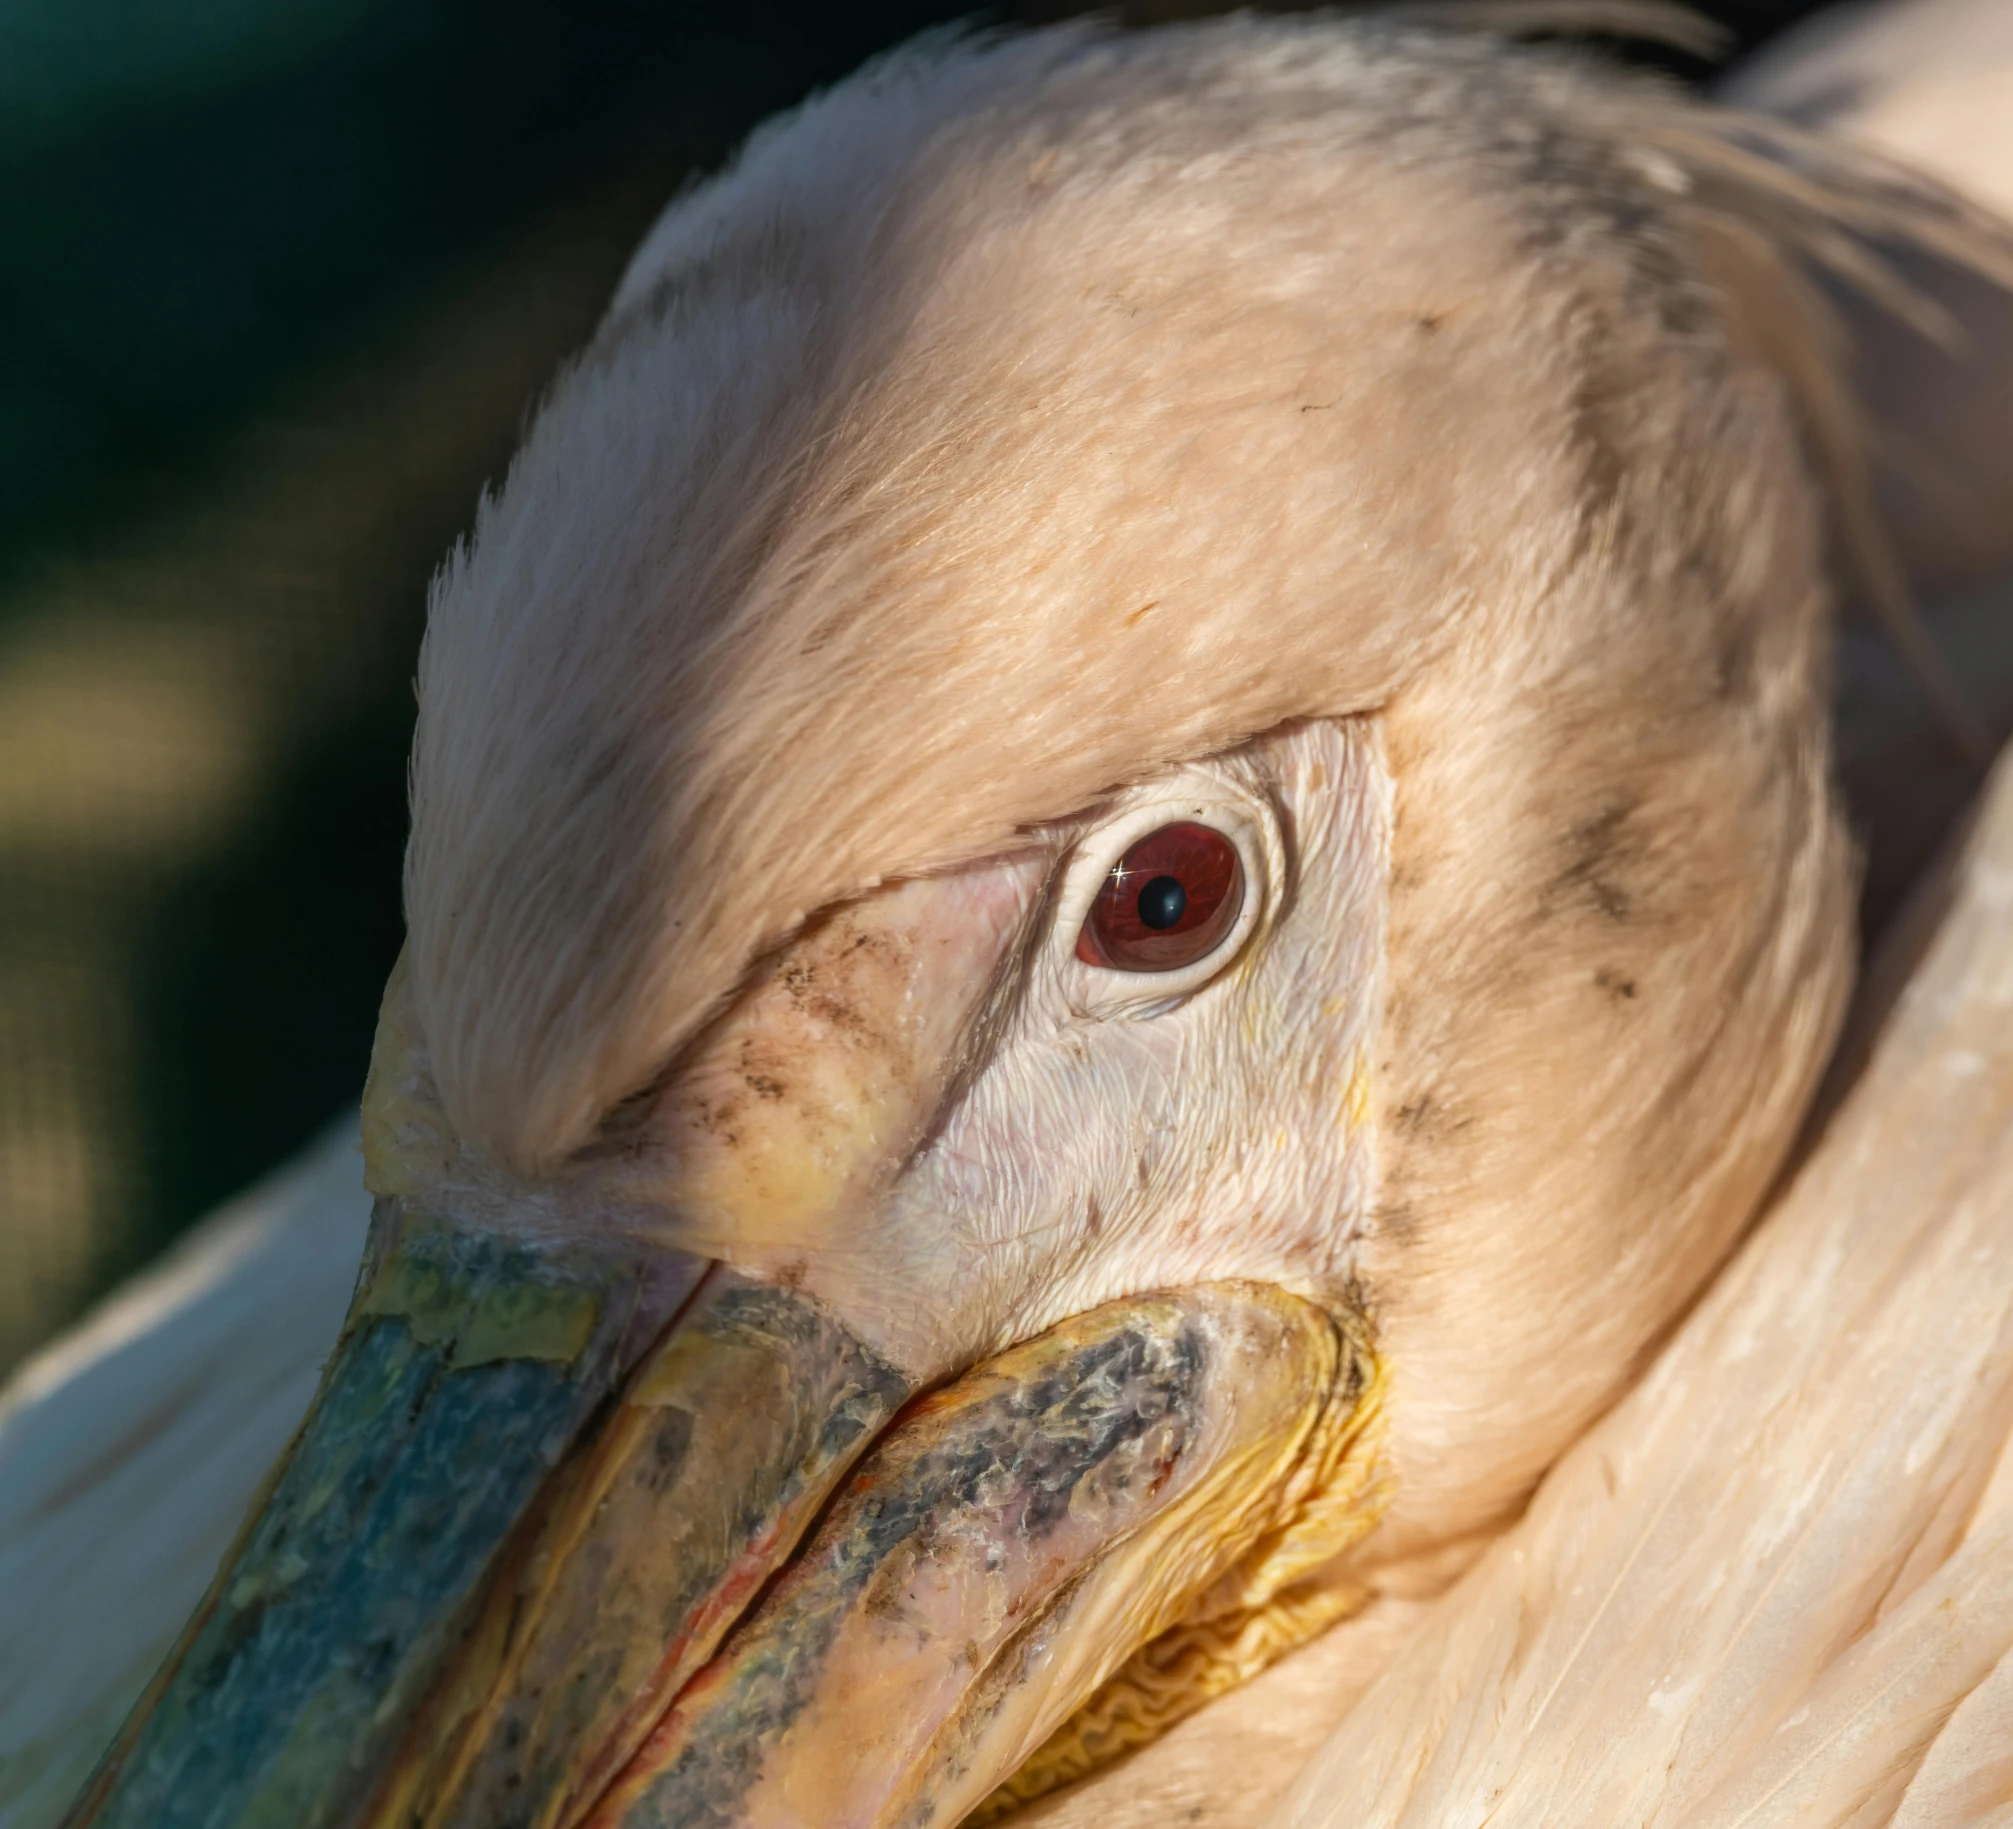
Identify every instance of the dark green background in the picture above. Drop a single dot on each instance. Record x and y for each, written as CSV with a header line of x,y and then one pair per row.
x,y
278,281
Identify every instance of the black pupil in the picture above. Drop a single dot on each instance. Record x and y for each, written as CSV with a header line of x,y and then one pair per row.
x,y
1161,903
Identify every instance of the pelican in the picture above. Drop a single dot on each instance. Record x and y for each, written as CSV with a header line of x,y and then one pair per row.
x,y
1124,871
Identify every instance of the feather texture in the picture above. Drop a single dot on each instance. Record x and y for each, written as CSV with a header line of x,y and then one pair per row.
x,y
1755,1593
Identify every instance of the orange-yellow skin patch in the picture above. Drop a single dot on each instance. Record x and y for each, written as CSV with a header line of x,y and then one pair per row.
x,y
803,1105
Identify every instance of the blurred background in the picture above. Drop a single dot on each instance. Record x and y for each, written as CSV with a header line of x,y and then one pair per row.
x,y
279,281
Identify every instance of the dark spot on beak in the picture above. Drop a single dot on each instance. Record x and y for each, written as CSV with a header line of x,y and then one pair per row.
x,y
673,1443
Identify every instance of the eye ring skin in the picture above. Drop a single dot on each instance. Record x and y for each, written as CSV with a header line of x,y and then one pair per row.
x,y
1247,821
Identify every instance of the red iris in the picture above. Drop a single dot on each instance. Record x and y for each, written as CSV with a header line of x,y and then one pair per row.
x,y
1167,902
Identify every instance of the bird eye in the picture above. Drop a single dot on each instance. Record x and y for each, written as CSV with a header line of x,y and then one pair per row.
x,y
1167,902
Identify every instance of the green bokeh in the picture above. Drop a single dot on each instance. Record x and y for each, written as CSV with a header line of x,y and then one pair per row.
x,y
278,282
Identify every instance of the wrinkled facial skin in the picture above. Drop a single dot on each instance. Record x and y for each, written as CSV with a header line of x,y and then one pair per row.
x,y
1098,1133
520,1566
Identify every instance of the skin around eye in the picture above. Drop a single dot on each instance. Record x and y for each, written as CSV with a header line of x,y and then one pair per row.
x,y
1168,902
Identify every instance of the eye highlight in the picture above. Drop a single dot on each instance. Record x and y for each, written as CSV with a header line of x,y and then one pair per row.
x,y
1166,903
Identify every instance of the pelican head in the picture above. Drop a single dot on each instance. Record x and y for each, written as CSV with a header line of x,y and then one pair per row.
x,y
1121,869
